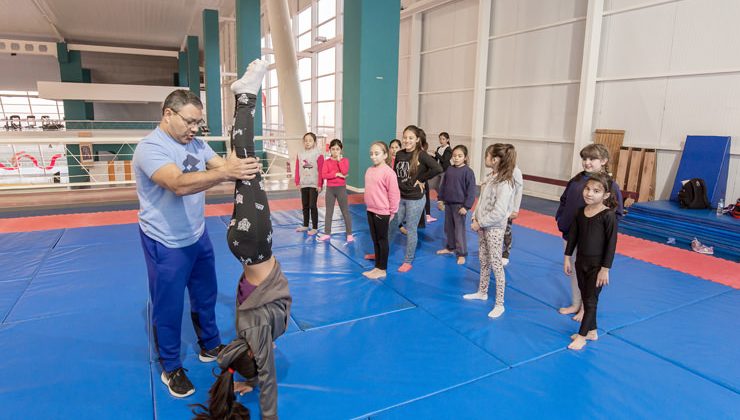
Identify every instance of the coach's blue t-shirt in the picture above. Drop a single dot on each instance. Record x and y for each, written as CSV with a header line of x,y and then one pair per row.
x,y
174,221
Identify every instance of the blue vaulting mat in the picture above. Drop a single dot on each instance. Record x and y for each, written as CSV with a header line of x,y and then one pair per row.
x,y
608,379
100,235
73,367
43,239
702,337
324,299
10,291
20,265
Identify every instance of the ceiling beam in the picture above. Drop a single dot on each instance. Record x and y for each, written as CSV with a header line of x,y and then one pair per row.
x,y
43,8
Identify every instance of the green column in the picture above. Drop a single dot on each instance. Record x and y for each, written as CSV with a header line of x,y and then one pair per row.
x,y
248,48
182,69
70,70
89,108
193,64
370,79
212,60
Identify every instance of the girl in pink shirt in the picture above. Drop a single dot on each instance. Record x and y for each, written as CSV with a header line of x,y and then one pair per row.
x,y
381,197
334,171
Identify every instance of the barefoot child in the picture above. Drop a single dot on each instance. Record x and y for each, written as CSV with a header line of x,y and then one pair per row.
x,y
595,159
489,220
456,197
594,233
381,197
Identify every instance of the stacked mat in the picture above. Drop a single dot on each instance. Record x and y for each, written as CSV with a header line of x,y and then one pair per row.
x,y
662,220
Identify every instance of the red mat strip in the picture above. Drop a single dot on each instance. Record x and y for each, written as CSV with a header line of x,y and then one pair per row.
x,y
703,266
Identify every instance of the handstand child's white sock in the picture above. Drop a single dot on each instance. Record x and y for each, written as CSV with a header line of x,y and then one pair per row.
x,y
252,79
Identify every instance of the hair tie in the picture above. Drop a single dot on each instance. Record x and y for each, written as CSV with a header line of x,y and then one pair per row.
x,y
231,371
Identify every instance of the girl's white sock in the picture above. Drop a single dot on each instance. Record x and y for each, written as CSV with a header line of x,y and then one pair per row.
x,y
252,79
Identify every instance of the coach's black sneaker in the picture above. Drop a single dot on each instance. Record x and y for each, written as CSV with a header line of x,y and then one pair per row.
x,y
206,356
178,383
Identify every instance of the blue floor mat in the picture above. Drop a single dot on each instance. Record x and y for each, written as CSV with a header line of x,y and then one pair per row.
x,y
608,379
20,265
73,367
702,337
324,299
99,235
44,239
10,291
527,330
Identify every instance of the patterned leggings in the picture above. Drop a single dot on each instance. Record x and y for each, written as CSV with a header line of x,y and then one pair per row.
x,y
250,229
490,241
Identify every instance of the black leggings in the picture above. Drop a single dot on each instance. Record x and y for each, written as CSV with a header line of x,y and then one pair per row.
x,y
309,197
250,230
379,232
587,269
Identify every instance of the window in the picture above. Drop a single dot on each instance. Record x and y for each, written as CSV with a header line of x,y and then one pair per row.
x,y
327,10
24,103
327,64
326,88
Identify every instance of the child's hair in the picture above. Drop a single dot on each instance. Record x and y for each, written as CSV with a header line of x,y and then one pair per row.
x,y
463,149
597,151
507,155
414,162
312,135
336,142
384,148
423,139
605,181
395,141
222,402
447,136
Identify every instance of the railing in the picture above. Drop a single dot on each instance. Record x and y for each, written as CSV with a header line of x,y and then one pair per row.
x,y
30,161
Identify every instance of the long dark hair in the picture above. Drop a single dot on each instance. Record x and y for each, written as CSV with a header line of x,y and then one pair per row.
x,y
414,161
606,182
507,155
222,404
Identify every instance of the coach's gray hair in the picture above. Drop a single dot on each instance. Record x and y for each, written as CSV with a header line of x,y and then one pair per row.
x,y
179,98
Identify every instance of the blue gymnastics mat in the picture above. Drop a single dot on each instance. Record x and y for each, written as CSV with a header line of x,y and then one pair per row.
x,y
76,342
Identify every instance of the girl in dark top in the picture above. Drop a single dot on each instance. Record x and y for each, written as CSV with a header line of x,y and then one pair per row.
x,y
595,160
456,197
594,233
413,167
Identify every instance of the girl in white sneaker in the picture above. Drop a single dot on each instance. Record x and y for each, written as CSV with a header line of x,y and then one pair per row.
x,y
489,220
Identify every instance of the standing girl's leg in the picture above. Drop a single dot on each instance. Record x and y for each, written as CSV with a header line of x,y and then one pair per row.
x,y
495,239
415,208
575,305
331,198
398,219
305,204
450,226
484,257
507,242
461,242
341,195
381,231
313,198
374,236
587,272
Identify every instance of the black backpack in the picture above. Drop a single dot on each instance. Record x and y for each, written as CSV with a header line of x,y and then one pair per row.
x,y
693,194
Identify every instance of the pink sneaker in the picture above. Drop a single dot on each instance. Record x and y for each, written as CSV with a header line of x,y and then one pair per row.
x,y
350,238
405,267
323,238
369,256
431,219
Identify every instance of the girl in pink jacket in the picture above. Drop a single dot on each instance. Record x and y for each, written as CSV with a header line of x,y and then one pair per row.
x,y
334,171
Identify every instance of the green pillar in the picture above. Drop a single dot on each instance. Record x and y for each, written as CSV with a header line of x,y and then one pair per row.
x,y
70,70
213,70
370,79
248,48
193,64
182,69
89,108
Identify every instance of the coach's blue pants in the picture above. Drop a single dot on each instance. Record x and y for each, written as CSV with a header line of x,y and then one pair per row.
x,y
170,271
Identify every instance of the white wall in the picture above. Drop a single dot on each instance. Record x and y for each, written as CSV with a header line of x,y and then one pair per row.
x,y
666,70
21,72
669,71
